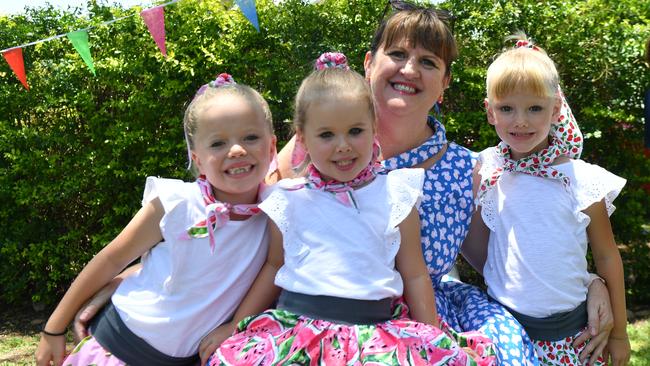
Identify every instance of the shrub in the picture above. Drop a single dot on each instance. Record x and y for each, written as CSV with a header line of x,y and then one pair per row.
x,y
76,149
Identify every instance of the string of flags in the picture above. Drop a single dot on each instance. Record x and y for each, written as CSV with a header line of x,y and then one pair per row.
x,y
154,19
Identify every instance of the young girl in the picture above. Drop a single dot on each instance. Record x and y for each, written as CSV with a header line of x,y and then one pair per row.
x,y
540,206
202,244
344,246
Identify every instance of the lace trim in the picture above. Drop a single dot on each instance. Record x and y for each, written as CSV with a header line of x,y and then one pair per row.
x,y
404,188
590,184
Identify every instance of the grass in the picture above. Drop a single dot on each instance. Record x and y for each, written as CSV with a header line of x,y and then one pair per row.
x,y
639,333
18,349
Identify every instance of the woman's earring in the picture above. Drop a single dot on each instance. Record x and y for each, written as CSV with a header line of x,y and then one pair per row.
x,y
437,109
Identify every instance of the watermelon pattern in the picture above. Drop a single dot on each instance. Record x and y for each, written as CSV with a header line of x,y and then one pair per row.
x,y
279,337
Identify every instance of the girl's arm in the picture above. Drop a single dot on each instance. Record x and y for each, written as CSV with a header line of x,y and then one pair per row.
x,y
259,297
418,290
140,235
610,267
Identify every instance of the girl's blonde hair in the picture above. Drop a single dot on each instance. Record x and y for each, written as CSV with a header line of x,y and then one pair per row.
x,y
203,100
523,68
330,84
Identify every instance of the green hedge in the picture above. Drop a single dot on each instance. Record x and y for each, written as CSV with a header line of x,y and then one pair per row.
x,y
75,150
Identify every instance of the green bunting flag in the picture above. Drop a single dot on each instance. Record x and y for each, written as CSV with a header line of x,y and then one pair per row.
x,y
79,40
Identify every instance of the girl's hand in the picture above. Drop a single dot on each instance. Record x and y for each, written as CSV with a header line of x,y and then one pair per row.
x,y
213,340
619,350
50,348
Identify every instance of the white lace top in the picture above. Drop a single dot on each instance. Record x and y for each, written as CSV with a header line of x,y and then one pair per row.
x,y
183,291
334,250
536,261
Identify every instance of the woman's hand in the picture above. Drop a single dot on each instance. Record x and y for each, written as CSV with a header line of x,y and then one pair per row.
x,y
601,322
213,340
88,311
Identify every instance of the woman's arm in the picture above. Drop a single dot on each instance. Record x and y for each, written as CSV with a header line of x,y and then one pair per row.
x,y
475,245
284,161
259,297
418,290
610,267
141,234
97,302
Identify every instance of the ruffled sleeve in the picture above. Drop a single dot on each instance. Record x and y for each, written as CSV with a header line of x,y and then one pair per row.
x,y
404,188
594,184
170,192
490,161
276,204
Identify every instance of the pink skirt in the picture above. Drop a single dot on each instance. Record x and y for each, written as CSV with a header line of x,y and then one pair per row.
x,y
279,337
90,352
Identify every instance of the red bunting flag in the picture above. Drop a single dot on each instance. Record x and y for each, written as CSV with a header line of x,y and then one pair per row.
x,y
154,18
14,58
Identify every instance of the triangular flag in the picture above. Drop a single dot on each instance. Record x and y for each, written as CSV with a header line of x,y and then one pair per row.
x,y
154,18
14,58
248,8
79,40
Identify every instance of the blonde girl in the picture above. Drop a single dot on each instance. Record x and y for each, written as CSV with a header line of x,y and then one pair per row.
x,y
541,206
344,248
202,244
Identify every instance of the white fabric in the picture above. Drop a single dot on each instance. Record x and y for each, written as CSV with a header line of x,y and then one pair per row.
x,y
182,291
536,261
334,250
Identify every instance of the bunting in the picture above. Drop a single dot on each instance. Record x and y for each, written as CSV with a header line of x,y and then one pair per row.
x,y
154,19
79,40
248,8
14,58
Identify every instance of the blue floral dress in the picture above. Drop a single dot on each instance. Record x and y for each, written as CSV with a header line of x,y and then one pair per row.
x,y
445,215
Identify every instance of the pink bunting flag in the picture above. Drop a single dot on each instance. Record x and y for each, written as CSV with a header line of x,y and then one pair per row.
x,y
14,58
154,18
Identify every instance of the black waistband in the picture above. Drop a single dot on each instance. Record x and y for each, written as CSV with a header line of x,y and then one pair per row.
x,y
336,309
111,332
555,327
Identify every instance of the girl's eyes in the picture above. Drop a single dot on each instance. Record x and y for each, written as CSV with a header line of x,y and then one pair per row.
x,y
325,135
217,144
536,108
251,138
355,131
505,108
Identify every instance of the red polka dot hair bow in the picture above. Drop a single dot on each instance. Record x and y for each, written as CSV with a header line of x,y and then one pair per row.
x,y
565,139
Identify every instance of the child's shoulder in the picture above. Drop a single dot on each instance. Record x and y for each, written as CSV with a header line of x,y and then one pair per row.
x,y
168,190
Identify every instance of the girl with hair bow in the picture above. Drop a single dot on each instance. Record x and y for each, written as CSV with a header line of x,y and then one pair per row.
x,y
540,206
202,244
344,249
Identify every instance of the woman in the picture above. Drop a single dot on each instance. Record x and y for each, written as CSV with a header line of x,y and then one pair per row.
x,y
408,68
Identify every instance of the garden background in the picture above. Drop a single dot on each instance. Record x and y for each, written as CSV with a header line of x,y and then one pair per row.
x,y
76,148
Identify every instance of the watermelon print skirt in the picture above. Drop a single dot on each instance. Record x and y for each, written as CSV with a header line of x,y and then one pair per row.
x,y
280,337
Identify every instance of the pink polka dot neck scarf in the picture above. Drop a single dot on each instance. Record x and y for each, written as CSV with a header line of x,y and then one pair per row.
x,y
343,191
217,214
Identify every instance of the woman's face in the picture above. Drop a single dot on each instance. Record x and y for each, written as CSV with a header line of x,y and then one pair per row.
x,y
405,80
